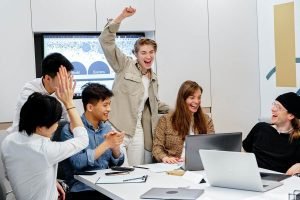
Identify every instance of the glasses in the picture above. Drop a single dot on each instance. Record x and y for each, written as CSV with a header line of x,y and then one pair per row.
x,y
278,107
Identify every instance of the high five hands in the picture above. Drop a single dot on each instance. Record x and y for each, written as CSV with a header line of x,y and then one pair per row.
x,y
65,86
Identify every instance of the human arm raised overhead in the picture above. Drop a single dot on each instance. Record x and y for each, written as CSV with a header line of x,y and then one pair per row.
x,y
115,57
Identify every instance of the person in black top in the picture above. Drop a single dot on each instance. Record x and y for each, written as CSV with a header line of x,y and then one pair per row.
x,y
277,145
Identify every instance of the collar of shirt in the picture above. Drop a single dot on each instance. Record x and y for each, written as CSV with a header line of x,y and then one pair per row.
x,y
43,87
153,77
33,136
87,124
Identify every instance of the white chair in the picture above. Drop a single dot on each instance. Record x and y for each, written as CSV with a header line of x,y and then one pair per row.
x,y
6,192
5,188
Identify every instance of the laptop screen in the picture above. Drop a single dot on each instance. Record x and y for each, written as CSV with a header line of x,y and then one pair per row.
x,y
218,141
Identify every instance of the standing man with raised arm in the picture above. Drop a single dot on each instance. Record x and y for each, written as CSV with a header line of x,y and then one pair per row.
x,y
30,157
135,105
44,85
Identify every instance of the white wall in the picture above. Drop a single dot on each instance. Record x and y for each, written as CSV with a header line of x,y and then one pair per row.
x,y
234,64
183,48
143,20
16,53
268,88
63,15
212,42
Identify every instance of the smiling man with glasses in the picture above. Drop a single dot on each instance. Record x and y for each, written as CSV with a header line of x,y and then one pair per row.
x,y
277,145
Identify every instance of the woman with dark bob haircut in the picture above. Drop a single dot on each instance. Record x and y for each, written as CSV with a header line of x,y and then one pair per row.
x,y
39,111
29,156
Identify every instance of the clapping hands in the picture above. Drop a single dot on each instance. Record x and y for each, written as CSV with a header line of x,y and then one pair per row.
x,y
114,139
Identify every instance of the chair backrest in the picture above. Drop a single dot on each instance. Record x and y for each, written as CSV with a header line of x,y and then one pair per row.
x,y
2,191
5,189
57,133
57,137
3,134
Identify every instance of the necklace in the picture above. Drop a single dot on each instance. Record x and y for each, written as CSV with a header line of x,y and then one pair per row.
x,y
285,132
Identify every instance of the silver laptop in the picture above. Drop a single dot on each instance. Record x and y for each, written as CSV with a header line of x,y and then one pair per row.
x,y
172,193
236,170
218,141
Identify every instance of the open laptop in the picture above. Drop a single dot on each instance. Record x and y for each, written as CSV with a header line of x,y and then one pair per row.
x,y
218,141
172,193
237,170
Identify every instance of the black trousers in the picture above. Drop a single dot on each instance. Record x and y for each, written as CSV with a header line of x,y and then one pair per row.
x,y
87,195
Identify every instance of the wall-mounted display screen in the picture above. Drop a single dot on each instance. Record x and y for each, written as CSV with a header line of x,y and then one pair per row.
x,y
85,53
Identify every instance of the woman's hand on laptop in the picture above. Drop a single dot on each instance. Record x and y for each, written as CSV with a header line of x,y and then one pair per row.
x,y
171,160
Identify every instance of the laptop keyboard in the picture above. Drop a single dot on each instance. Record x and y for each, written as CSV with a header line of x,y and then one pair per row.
x,y
265,186
273,176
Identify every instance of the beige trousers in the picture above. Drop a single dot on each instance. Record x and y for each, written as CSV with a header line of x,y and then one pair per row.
x,y
134,147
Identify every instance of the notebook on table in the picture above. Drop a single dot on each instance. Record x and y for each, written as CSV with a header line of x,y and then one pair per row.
x,y
172,193
237,170
218,141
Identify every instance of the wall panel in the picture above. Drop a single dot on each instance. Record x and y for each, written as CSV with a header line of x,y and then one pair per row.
x,y
234,64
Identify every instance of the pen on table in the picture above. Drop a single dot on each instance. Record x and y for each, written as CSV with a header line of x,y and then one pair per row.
x,y
132,179
140,167
116,173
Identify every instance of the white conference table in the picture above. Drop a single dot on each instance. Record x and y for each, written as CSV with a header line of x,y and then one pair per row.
x,y
132,191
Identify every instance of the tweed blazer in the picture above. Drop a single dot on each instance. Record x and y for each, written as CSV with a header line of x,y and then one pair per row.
x,y
167,141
